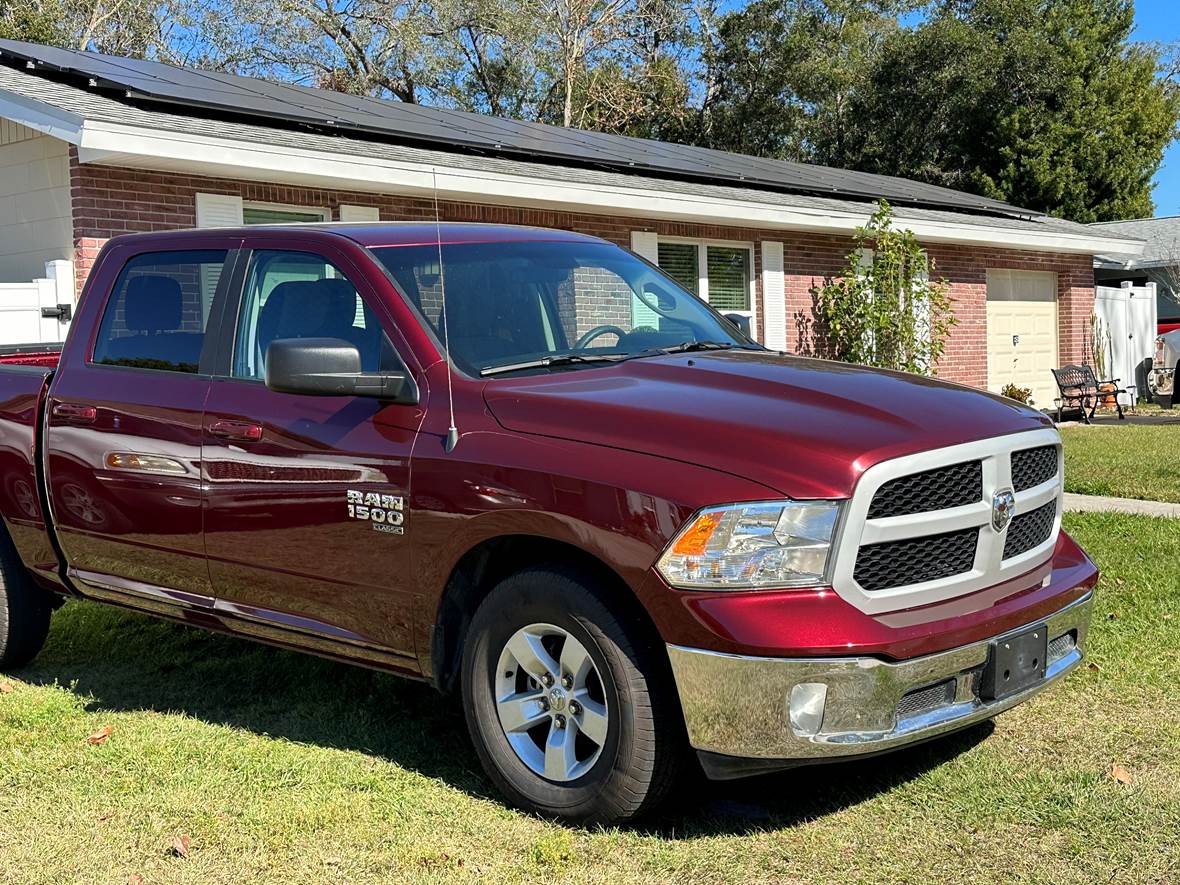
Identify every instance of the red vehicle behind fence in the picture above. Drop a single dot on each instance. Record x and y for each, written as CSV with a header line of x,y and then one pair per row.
x,y
632,539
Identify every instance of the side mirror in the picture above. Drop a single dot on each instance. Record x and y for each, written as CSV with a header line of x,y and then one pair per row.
x,y
741,321
331,367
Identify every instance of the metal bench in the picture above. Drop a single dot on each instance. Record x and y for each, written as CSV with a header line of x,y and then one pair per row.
x,y
1081,390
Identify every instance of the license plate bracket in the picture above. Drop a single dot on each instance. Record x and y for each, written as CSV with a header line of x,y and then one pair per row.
x,y
1015,663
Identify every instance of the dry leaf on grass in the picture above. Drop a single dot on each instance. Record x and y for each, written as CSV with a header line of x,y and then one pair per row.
x,y
1092,667
180,846
135,879
5,688
1120,774
100,736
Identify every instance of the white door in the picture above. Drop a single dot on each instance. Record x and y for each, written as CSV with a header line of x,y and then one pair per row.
x,y
1022,332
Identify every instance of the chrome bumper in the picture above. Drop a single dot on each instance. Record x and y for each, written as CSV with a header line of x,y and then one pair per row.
x,y
758,708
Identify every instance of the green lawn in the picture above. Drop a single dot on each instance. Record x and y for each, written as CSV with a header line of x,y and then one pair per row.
x,y
1127,461
283,768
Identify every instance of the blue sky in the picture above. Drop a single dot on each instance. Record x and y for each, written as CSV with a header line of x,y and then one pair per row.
x,y
1158,20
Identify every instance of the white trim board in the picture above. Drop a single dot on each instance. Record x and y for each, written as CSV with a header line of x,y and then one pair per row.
x,y
113,143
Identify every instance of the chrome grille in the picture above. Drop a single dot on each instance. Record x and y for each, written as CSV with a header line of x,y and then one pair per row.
x,y
925,699
915,560
1031,467
1030,529
939,489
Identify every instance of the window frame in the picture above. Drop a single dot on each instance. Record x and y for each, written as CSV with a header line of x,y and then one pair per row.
x,y
323,211
703,245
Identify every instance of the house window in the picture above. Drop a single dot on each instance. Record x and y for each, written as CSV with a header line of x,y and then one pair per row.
x,y
273,213
717,272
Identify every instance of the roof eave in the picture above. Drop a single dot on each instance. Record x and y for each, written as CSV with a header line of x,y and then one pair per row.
x,y
111,143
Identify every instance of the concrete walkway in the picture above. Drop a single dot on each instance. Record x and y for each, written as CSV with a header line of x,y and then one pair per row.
x,y
1102,504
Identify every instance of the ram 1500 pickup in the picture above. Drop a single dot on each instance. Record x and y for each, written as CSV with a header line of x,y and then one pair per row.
x,y
528,467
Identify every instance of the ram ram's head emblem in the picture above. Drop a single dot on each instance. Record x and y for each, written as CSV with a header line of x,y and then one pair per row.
x,y
1003,509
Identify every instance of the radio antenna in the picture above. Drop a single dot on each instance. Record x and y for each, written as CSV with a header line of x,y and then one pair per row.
x,y
452,431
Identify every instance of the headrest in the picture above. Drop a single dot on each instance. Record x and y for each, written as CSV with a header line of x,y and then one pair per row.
x,y
152,303
307,309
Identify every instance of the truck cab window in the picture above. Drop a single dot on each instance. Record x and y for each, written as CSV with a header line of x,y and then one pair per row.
x,y
302,295
156,315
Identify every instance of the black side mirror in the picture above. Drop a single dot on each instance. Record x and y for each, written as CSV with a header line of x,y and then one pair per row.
x,y
741,321
331,367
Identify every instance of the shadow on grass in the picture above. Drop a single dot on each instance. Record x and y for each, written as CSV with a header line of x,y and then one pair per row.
x,y
124,662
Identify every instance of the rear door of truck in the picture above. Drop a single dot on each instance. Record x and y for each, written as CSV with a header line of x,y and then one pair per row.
x,y
124,422
305,521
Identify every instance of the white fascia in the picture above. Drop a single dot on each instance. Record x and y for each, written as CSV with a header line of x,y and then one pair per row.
x,y
113,143
41,117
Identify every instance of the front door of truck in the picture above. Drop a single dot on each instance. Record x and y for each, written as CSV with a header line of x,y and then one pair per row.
x,y
124,427
306,527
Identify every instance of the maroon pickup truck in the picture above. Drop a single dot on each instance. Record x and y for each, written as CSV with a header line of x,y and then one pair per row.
x,y
635,542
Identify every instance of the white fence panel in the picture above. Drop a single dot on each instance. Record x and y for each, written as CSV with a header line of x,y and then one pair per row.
x,y
39,311
1128,314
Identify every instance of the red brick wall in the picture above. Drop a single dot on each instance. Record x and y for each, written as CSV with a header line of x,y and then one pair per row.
x,y
108,201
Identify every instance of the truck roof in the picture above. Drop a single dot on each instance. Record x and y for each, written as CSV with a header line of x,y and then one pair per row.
x,y
394,233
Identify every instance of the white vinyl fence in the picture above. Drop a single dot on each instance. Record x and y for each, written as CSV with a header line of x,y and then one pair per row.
x,y
38,312
1128,317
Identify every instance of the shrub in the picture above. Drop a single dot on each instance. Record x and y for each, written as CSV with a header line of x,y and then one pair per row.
x,y
888,312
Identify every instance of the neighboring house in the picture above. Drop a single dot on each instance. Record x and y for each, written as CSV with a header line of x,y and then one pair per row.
x,y
94,146
1159,261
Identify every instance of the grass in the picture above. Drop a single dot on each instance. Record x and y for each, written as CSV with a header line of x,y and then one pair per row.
x,y
1126,461
287,769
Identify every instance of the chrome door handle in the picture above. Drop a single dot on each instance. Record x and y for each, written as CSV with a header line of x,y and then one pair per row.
x,y
75,413
239,431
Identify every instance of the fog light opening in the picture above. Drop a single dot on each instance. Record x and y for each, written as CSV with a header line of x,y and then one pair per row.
x,y
806,707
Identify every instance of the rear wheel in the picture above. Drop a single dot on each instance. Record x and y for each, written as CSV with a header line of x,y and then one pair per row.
x,y
572,715
24,610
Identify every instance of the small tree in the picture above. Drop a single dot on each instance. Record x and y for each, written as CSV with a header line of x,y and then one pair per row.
x,y
887,311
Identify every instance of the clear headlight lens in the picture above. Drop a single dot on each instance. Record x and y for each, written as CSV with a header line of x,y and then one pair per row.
x,y
744,546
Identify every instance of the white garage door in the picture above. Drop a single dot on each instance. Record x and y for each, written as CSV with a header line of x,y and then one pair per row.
x,y
1022,332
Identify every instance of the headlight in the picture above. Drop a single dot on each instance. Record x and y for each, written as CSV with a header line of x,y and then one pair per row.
x,y
745,546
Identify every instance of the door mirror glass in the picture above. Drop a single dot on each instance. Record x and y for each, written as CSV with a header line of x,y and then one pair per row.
x,y
331,367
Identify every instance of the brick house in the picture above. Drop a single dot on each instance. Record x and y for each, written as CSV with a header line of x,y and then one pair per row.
x,y
85,157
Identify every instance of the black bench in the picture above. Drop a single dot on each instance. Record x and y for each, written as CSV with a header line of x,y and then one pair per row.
x,y
1081,390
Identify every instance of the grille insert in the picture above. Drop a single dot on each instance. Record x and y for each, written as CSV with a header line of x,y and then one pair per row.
x,y
938,489
914,560
1029,530
925,699
1031,467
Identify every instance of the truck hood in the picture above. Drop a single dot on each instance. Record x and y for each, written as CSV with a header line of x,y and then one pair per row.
x,y
804,427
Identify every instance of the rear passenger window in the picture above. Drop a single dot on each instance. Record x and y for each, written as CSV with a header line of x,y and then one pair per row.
x,y
156,315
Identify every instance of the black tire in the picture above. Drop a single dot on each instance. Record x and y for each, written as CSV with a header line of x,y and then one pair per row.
x,y
645,749
25,610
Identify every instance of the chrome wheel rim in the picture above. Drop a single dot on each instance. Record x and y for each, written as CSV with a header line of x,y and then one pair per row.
x,y
551,702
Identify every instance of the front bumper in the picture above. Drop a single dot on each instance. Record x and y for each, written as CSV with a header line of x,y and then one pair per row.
x,y
746,714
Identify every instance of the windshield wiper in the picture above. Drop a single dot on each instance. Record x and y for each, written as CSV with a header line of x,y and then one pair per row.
x,y
551,361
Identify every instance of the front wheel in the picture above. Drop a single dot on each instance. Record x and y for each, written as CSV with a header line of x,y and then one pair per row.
x,y
572,715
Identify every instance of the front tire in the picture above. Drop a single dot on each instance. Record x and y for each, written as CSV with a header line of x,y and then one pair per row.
x,y
572,714
25,610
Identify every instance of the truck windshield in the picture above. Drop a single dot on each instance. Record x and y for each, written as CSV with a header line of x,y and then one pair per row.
x,y
538,306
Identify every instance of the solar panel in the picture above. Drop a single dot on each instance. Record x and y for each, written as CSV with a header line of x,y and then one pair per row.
x,y
189,90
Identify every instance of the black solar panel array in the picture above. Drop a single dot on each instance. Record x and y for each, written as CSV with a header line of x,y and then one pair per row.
x,y
188,90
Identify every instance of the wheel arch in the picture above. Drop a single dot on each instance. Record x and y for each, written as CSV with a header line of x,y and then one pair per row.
x,y
492,560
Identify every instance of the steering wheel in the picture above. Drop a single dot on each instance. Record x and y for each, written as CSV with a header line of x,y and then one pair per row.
x,y
597,332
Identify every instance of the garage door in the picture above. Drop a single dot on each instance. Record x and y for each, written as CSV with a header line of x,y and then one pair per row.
x,y
1022,332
